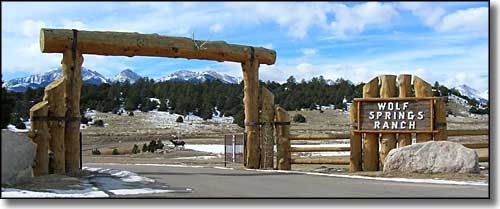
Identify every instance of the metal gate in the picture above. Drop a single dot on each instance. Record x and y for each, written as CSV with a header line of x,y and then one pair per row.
x,y
234,146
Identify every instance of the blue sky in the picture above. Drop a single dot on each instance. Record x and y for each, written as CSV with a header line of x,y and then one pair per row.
x,y
439,41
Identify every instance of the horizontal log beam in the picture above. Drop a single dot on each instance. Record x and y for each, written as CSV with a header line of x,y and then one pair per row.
x,y
319,136
320,149
468,132
484,159
319,161
476,145
136,44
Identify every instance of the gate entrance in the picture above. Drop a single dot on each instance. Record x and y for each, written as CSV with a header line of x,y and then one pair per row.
x,y
56,120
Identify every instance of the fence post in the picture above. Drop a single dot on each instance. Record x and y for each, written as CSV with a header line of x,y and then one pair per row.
x,y
251,102
404,83
370,150
267,130
40,134
440,109
71,69
355,156
283,141
387,141
422,89
54,95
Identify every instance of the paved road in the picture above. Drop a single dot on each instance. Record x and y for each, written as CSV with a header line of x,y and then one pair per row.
x,y
212,182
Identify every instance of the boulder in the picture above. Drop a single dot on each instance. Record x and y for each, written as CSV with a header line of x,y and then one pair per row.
x,y
18,153
432,157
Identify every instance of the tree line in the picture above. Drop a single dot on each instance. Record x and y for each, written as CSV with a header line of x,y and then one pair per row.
x,y
201,99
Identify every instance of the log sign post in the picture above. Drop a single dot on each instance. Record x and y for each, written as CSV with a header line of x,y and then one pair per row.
x,y
56,119
388,115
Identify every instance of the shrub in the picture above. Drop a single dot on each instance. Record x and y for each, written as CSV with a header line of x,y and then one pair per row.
x,y
144,147
179,119
131,113
20,125
153,146
475,110
84,120
96,151
135,149
299,118
160,144
115,152
99,123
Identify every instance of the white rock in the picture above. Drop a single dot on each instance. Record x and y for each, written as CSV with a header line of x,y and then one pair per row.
x,y
18,153
432,157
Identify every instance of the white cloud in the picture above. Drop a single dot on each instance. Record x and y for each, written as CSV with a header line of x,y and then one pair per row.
x,y
297,18
267,46
215,28
31,28
309,51
73,24
353,20
474,20
28,58
472,79
428,14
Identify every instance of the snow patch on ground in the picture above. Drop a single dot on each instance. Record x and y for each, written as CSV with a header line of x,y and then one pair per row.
x,y
19,193
196,158
213,148
219,149
13,128
143,191
125,176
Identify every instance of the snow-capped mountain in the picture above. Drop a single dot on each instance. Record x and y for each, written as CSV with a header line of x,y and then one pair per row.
x,y
126,74
199,77
93,77
43,79
472,93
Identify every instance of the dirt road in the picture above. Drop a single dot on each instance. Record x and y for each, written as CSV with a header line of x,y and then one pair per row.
x,y
212,182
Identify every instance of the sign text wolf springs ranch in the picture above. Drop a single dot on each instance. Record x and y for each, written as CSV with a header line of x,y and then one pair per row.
x,y
392,111
395,115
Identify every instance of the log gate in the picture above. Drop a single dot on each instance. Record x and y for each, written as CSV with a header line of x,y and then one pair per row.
x,y
56,120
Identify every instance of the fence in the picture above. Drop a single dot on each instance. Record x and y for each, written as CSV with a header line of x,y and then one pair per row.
x,y
234,145
365,143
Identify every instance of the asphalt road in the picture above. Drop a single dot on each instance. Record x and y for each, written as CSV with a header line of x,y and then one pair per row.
x,y
212,182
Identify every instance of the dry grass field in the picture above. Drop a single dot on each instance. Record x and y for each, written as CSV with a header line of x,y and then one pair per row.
x,y
123,131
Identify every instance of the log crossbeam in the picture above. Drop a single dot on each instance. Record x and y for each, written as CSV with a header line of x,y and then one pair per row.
x,y
136,44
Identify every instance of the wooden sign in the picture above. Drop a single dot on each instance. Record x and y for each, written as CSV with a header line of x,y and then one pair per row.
x,y
395,115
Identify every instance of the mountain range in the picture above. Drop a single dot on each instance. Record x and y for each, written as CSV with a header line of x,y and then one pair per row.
x,y
93,77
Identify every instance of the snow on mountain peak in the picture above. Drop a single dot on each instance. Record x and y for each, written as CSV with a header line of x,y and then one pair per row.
x,y
199,77
126,74
472,93
43,79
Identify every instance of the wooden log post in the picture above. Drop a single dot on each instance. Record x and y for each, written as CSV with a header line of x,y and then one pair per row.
x,y
136,44
54,95
283,143
440,122
422,89
387,141
404,84
251,102
73,82
267,130
370,149
355,163
40,135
